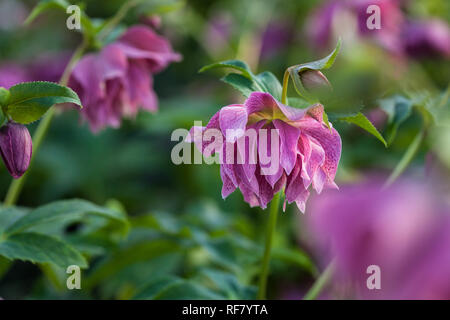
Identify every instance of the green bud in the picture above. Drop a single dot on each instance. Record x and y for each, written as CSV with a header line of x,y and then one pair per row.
x,y
313,80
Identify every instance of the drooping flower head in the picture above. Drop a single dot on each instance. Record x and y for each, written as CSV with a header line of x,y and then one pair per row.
x,y
118,80
404,230
15,148
307,152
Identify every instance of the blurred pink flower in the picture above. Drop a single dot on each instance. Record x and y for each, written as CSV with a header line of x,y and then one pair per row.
x,y
397,34
404,229
309,151
322,21
11,74
426,38
117,81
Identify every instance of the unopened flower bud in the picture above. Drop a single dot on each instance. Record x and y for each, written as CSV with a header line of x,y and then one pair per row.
x,y
15,148
314,80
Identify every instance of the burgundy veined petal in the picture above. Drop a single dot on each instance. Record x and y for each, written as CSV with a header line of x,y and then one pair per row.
x,y
319,180
249,196
265,190
251,183
228,157
248,148
313,158
288,149
330,142
233,117
227,185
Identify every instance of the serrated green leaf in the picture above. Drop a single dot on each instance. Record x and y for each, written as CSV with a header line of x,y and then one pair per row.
x,y
270,84
29,101
38,248
361,121
239,82
65,209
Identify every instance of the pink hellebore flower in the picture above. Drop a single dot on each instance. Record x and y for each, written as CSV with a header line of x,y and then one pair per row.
x,y
309,151
118,80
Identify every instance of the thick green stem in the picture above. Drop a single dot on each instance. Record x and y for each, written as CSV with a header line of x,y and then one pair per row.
x,y
320,283
16,185
285,87
275,204
407,158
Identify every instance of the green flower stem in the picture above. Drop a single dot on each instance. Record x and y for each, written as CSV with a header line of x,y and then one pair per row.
x,y
285,87
16,185
115,20
407,158
320,283
275,204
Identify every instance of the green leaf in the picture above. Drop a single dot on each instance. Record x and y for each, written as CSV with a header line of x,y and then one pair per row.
x,y
233,64
29,101
228,284
151,290
65,209
321,64
9,215
271,84
184,289
398,109
4,96
43,6
361,121
39,248
241,83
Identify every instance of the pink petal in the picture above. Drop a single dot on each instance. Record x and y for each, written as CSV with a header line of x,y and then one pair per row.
x,y
288,149
140,42
233,117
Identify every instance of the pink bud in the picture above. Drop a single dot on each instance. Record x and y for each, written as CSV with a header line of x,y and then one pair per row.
x,y
15,148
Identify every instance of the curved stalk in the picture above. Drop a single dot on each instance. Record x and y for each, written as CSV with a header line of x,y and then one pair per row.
x,y
406,159
16,186
275,204
320,283
285,86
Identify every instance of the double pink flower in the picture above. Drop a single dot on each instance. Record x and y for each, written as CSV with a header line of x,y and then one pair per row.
x,y
309,151
117,81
